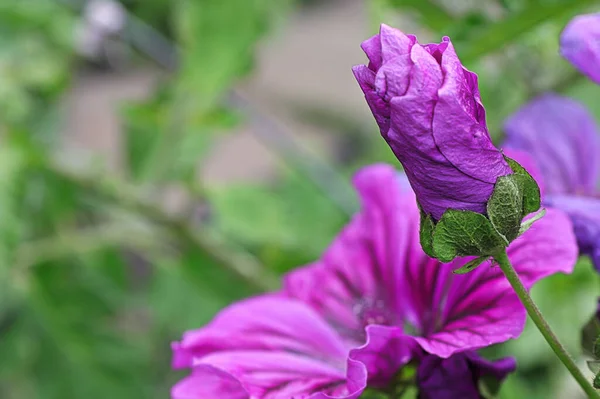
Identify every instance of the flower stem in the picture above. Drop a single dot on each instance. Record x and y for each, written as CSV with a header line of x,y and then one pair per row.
x,y
542,325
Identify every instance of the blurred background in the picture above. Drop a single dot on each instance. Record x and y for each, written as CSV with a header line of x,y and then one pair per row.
x,y
162,158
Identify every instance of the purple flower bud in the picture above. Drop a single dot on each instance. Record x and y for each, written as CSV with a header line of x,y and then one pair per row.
x,y
580,44
428,108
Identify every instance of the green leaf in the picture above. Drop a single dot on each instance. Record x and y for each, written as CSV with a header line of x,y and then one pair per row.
x,y
505,206
465,233
528,186
472,265
426,233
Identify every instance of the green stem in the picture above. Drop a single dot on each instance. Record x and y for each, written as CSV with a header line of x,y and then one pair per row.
x,y
542,325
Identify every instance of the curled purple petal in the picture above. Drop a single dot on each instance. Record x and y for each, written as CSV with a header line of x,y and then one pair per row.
x,y
562,137
386,350
429,110
580,44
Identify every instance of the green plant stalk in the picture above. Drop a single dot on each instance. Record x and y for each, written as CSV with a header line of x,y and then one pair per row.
x,y
542,325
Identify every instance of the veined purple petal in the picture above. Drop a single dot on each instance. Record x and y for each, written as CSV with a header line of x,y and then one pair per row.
x,y
580,44
429,110
564,140
478,309
276,347
458,376
585,215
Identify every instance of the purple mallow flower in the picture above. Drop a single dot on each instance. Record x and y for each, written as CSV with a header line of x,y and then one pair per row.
x,y
428,108
563,139
373,304
580,44
376,285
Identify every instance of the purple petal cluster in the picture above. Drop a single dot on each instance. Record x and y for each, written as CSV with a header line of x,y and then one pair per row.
x,y
371,305
563,140
429,110
580,44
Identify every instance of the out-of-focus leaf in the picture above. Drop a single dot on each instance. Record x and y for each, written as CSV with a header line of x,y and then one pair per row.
x,y
431,14
73,335
216,40
147,130
495,36
34,57
286,225
12,227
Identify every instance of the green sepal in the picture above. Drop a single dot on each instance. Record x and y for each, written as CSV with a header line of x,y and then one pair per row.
x,y
505,206
596,381
426,233
596,348
465,233
529,222
472,265
590,334
489,386
593,366
529,188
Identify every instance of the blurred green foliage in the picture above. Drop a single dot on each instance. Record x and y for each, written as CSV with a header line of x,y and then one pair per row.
x,y
97,277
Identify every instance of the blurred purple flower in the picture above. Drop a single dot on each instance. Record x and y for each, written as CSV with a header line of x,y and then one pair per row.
x,y
563,139
372,304
459,375
580,44
428,108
